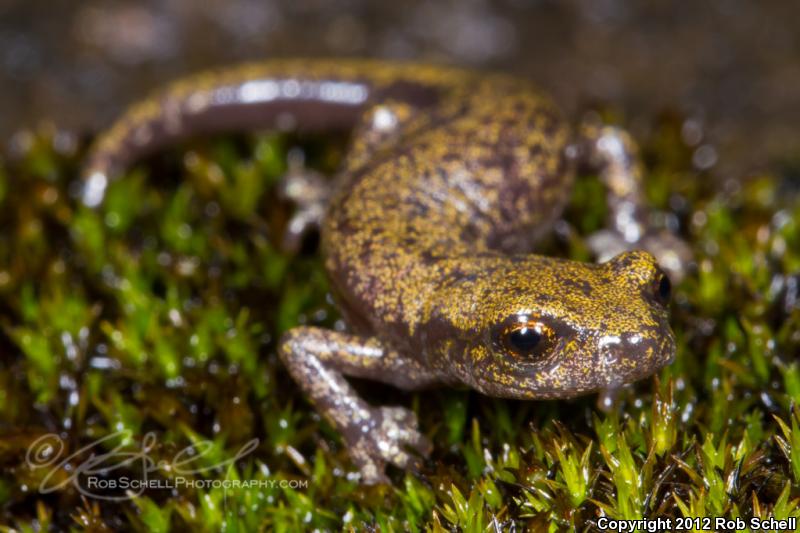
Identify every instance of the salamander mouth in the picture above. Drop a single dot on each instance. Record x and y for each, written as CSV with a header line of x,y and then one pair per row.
x,y
633,357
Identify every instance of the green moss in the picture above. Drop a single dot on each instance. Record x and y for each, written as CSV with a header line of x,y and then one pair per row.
x,y
158,314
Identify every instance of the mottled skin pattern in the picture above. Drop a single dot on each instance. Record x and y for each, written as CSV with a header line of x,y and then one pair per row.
x,y
427,237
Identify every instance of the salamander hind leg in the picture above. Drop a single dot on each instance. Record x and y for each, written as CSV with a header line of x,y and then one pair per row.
x,y
318,359
309,191
379,127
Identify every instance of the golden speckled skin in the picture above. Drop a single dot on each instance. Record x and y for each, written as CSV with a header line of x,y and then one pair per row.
x,y
451,178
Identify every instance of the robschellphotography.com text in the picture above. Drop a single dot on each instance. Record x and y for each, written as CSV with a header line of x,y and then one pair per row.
x,y
657,525
125,483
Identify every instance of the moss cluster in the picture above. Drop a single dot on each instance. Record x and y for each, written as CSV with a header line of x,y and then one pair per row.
x,y
151,322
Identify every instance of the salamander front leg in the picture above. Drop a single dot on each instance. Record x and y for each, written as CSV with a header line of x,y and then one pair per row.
x,y
612,151
318,359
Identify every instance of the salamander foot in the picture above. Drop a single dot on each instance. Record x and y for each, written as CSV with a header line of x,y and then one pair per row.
x,y
390,435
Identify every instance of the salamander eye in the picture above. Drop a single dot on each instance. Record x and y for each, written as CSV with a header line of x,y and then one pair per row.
x,y
526,338
662,289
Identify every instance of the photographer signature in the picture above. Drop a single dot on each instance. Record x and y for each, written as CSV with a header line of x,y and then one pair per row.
x,y
47,451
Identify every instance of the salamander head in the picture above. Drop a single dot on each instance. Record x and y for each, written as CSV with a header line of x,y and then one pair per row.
x,y
557,329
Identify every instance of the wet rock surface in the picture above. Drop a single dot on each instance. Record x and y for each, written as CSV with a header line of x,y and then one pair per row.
x,y
730,66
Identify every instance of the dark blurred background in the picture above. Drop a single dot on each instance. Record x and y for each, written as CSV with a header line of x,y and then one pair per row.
x,y
729,67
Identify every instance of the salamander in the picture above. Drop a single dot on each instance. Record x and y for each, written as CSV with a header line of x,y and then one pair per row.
x,y
428,232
